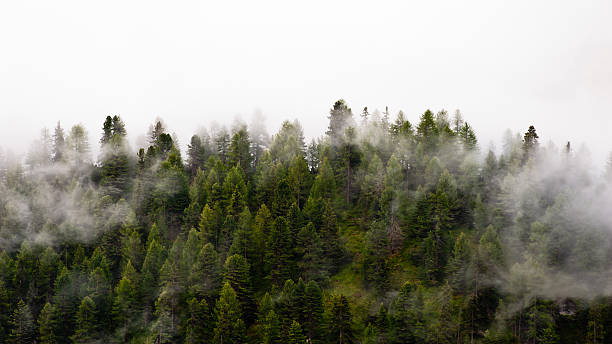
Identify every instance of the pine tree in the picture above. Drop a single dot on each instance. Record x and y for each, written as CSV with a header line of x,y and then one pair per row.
x,y
312,310
209,225
124,305
86,321
79,144
22,322
295,335
195,155
199,325
230,327
467,135
205,277
299,179
268,323
5,310
530,142
427,131
340,118
239,151
59,144
237,274
48,323
280,252
375,262
341,319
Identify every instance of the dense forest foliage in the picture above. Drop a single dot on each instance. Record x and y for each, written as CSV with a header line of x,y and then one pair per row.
x,y
379,231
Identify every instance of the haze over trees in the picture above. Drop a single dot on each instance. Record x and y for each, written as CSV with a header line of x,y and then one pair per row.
x,y
380,231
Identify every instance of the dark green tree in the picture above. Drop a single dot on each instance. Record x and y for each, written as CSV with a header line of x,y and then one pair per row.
x,y
86,322
48,324
341,321
237,273
230,327
23,327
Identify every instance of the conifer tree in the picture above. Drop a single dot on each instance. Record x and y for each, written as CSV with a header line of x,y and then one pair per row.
x,y
23,327
59,144
427,131
124,305
268,322
195,155
340,118
199,325
280,252
48,323
239,151
86,322
230,327
237,274
206,276
341,319
295,335
530,142
312,310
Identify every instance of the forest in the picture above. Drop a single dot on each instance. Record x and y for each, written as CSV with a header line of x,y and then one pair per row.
x,y
381,230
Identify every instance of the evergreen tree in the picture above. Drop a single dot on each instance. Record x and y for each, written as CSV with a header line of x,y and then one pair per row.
x,y
195,155
230,327
295,335
124,305
341,319
59,144
237,274
340,118
427,131
239,151
199,326
280,252
530,142
375,262
205,277
312,312
86,322
48,323
267,321
24,330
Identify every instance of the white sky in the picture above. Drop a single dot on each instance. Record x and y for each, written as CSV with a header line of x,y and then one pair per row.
x,y
505,64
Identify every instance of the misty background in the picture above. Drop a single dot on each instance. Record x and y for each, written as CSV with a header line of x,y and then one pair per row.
x,y
505,65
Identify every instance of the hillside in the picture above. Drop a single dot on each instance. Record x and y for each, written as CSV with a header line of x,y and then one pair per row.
x,y
382,230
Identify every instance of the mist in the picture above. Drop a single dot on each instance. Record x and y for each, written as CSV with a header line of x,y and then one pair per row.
x,y
67,62
432,172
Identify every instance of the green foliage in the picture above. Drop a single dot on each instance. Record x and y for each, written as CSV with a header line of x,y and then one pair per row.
x,y
230,327
86,322
23,327
48,324
378,232
340,322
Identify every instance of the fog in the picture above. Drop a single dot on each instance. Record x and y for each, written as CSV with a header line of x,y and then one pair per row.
x,y
504,64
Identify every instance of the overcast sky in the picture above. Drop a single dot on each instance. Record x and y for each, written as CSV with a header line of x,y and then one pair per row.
x,y
505,64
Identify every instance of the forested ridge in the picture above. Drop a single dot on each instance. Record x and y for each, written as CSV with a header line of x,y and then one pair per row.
x,y
382,230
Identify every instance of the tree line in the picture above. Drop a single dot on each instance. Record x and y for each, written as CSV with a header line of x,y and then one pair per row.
x,y
379,231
